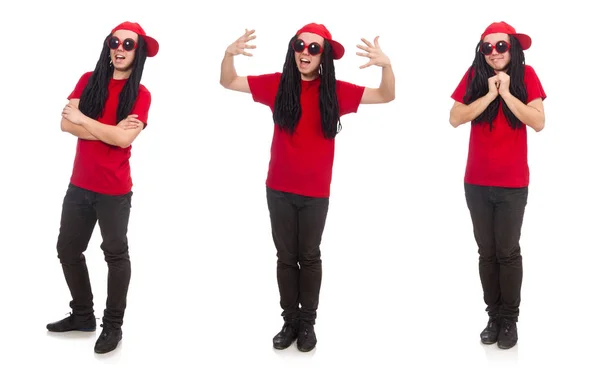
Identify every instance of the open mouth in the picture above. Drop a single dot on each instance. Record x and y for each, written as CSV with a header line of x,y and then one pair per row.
x,y
304,63
119,58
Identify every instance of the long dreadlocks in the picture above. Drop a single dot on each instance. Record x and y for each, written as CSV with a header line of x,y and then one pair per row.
x,y
95,93
478,87
287,110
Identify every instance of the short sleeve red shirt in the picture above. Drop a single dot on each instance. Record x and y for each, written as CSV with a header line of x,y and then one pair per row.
x,y
498,156
302,163
98,166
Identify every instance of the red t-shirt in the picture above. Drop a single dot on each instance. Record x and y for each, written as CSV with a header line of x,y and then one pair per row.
x,y
498,157
101,167
302,163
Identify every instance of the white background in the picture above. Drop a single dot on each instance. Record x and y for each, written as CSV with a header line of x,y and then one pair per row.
x,y
401,292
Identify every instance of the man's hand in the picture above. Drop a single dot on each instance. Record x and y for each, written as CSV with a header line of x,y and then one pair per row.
x,y
239,46
493,85
73,115
374,53
504,84
130,123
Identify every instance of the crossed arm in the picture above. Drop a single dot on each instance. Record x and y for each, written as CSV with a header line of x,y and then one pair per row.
x,y
84,127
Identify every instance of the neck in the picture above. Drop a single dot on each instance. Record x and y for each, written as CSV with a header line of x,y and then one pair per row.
x,y
309,77
121,75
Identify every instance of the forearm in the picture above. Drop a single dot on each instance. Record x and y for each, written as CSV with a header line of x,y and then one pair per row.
x,y
526,114
466,113
109,134
76,130
388,83
228,72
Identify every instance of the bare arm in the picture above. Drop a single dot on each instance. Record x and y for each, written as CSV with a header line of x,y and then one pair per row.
x,y
75,129
461,113
532,114
386,91
121,135
229,77
113,135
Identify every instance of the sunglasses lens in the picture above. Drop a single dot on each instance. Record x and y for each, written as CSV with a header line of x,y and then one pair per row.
x,y
487,48
502,47
113,42
314,49
128,44
299,45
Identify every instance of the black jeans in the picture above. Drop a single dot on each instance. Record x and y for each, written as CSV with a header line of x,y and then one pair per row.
x,y
497,215
297,224
81,210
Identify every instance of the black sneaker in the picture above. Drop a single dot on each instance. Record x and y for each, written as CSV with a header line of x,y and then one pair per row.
x,y
489,335
287,335
307,340
73,323
508,337
108,339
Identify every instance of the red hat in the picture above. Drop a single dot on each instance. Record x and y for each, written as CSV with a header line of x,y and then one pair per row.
x,y
151,43
503,27
338,49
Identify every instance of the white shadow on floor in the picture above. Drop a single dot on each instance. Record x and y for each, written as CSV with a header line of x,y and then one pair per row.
x,y
498,355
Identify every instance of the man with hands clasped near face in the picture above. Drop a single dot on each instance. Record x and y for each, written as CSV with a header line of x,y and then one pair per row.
x,y
500,95
307,102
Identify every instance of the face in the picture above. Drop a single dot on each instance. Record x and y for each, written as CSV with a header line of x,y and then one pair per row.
x,y
123,44
309,58
496,48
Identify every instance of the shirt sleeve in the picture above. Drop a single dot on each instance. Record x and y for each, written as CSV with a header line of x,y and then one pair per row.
x,y
264,88
533,85
349,97
83,80
142,105
460,91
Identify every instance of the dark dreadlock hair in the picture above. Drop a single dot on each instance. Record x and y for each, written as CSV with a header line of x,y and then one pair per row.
x,y
287,103
478,87
94,95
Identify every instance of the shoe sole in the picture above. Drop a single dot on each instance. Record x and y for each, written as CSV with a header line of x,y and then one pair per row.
x,y
103,352
306,349
283,347
488,342
82,330
506,347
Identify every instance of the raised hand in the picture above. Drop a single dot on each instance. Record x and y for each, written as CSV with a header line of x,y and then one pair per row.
x,y
374,53
241,44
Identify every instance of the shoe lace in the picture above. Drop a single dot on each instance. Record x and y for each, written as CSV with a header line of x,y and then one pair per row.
x,y
305,328
507,326
106,329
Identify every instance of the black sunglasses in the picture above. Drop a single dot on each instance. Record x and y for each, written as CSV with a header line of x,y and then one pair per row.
x,y
114,43
313,49
501,46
